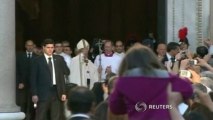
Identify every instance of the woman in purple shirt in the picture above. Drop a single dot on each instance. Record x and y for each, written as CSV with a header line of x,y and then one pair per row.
x,y
145,91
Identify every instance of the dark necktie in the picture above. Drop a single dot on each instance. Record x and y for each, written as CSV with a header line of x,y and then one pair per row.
x,y
50,65
173,61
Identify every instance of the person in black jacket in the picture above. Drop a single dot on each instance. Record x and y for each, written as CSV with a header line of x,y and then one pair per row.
x,y
48,83
23,98
80,103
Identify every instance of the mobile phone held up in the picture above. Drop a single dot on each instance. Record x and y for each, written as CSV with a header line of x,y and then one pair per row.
x,y
192,62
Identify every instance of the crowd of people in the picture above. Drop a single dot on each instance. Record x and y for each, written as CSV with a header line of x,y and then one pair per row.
x,y
148,81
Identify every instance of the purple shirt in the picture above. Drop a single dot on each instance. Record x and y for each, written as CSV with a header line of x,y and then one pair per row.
x,y
145,98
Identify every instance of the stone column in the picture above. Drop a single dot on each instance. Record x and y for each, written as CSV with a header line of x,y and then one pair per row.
x,y
8,108
211,19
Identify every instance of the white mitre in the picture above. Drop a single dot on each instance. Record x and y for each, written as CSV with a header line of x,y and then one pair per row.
x,y
82,44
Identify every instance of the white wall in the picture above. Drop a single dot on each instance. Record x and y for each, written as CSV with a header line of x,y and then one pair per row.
x,y
185,13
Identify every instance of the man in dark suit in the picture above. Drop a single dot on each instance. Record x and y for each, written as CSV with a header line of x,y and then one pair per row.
x,y
80,103
173,49
161,51
48,83
23,78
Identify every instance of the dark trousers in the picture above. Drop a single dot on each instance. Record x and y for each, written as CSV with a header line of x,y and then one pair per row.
x,y
21,99
24,100
30,115
50,109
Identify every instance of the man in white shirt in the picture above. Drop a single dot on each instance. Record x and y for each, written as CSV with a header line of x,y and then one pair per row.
x,y
172,57
108,61
173,49
67,58
47,83
119,48
83,71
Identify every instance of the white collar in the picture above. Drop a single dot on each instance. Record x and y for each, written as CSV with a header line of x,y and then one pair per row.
x,y
80,115
169,56
29,52
47,57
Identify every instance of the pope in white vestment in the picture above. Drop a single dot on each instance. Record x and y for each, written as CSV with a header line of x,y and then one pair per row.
x,y
83,72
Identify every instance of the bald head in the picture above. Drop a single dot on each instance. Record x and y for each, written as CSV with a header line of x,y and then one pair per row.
x,y
29,45
161,49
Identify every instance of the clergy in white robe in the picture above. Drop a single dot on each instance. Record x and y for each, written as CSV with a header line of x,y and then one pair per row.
x,y
109,60
83,71
119,48
67,58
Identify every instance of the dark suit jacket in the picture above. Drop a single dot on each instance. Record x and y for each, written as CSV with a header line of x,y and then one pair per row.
x,y
23,68
165,58
41,82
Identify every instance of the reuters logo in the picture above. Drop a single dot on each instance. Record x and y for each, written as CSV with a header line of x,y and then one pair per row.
x,y
140,106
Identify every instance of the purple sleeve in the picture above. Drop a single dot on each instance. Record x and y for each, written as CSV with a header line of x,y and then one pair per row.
x,y
116,101
183,86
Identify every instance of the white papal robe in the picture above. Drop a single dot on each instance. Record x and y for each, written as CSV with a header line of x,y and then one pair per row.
x,y
89,71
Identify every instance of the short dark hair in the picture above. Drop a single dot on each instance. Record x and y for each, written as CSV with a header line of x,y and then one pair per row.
x,y
57,42
202,51
80,100
48,41
147,42
185,40
172,46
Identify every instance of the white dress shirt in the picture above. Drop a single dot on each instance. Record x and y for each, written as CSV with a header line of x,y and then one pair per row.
x,y
29,54
120,54
47,59
168,56
68,60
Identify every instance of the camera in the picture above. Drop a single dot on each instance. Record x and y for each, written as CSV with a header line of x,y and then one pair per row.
x,y
185,73
183,55
192,62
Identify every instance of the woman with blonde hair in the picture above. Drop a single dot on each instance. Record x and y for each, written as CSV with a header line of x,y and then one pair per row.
x,y
144,90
